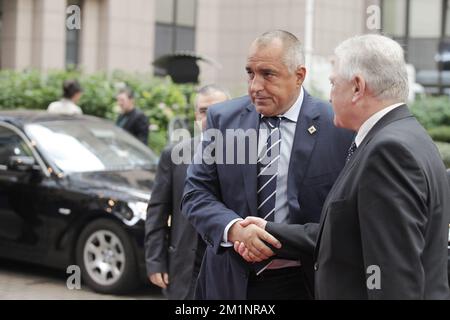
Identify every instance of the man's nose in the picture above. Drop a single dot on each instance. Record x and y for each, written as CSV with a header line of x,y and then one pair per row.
x,y
256,84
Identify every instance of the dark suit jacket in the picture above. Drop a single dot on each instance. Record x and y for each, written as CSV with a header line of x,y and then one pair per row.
x,y
215,194
389,208
173,248
136,124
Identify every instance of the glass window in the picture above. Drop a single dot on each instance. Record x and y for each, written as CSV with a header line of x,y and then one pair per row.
x,y
164,11
185,38
80,146
164,33
163,39
447,20
186,12
11,145
394,17
172,37
72,46
72,40
425,18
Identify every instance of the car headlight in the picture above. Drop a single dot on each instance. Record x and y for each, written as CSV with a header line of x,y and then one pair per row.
x,y
139,209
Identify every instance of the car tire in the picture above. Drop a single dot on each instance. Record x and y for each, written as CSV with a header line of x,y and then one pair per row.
x,y
105,255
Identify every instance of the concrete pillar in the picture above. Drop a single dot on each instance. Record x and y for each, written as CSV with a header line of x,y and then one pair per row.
x,y
33,34
17,34
49,34
126,35
90,35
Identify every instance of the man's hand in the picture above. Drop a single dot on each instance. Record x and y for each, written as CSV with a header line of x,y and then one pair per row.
x,y
160,279
240,248
251,238
260,222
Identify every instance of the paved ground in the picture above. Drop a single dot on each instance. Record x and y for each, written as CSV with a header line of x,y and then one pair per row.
x,y
28,282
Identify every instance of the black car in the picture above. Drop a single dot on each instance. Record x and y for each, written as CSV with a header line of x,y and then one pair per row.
x,y
448,264
74,191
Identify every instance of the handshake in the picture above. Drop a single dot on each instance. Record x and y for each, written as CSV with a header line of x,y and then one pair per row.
x,y
251,240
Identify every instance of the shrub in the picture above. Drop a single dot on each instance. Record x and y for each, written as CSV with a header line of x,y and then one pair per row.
x,y
432,111
444,150
160,99
440,133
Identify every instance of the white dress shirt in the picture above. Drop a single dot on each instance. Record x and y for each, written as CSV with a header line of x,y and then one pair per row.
x,y
64,106
288,125
370,123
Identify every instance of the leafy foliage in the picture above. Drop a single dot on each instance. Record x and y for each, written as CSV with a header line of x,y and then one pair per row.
x,y
160,99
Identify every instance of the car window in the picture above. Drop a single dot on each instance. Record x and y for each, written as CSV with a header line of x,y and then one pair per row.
x,y
83,146
11,144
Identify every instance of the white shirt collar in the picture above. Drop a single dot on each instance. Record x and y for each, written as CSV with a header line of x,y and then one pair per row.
x,y
370,123
294,111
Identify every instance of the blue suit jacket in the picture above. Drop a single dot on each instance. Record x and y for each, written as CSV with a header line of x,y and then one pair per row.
x,y
215,194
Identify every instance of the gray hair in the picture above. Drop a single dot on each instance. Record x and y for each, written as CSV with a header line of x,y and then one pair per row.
x,y
293,50
379,60
128,91
211,89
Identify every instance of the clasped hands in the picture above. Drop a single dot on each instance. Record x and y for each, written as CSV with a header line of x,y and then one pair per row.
x,y
249,237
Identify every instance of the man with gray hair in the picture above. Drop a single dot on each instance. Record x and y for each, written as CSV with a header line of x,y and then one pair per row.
x,y
384,232
306,151
172,251
384,225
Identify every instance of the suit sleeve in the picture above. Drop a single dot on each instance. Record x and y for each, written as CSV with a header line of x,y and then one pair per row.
x,y
141,128
158,211
392,210
296,239
201,202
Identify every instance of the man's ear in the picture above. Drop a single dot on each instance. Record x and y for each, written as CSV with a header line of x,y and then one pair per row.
x,y
358,87
300,73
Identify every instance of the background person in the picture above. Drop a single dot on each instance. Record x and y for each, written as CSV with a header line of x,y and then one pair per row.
x,y
174,252
310,152
384,225
131,118
72,92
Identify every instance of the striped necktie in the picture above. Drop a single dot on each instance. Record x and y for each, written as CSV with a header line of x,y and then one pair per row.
x,y
268,169
351,151
268,161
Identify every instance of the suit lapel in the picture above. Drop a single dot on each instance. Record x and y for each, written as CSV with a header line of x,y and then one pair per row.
x,y
250,120
302,146
394,115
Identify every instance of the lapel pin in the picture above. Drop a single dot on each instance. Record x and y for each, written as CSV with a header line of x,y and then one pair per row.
x,y
312,130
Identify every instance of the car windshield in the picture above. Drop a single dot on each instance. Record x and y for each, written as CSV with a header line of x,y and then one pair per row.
x,y
83,146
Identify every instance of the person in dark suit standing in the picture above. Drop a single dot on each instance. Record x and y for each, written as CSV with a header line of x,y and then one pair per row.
x,y
384,226
172,251
389,210
132,119
287,156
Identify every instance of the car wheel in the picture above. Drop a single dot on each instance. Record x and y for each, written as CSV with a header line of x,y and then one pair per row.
x,y
105,255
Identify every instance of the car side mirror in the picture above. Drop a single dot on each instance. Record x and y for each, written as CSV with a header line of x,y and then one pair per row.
x,y
21,163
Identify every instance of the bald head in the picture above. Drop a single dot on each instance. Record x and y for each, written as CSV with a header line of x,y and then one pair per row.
x,y
292,49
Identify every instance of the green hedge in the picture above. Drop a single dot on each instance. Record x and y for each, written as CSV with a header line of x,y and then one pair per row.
x,y
444,150
434,114
160,99
432,111
440,133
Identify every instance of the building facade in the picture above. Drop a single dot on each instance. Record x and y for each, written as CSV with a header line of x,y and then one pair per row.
x,y
129,35
422,27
